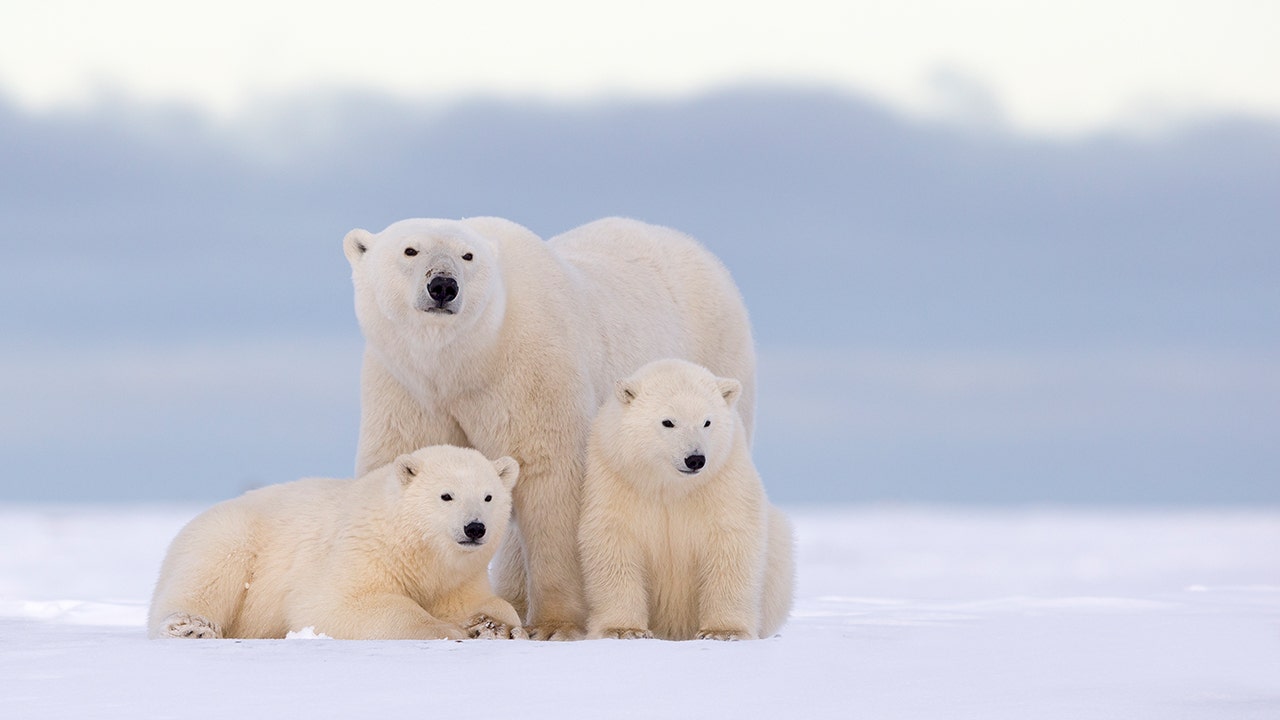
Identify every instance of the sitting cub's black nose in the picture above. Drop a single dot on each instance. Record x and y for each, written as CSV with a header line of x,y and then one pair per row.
x,y
474,530
442,288
695,462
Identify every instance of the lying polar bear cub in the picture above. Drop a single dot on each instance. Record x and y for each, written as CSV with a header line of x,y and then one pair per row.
x,y
400,553
677,539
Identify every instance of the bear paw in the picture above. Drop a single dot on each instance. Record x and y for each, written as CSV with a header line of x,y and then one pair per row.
x,y
486,628
554,631
186,625
627,633
709,634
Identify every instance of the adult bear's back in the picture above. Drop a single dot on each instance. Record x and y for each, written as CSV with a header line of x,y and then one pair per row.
x,y
646,277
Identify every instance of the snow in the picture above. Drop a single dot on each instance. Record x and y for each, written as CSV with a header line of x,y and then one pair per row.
x,y
901,612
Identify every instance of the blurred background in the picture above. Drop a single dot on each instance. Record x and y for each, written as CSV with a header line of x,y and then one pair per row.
x,y
994,252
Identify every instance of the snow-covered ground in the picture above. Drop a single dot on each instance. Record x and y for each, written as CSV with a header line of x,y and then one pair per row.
x,y
901,613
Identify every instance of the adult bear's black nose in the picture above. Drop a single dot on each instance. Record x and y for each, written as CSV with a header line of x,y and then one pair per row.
x,y
695,462
474,530
442,288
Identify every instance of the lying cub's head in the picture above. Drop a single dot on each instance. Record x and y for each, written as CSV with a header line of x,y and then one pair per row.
x,y
454,499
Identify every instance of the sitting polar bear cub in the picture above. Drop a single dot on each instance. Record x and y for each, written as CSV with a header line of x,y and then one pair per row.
x,y
677,538
400,553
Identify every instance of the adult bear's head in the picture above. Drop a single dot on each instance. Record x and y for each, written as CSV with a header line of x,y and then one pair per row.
x,y
424,273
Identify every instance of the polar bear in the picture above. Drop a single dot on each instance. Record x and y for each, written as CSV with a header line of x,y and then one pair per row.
x,y
677,538
480,334
400,553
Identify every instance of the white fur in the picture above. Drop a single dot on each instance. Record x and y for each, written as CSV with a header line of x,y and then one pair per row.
x,y
534,341
380,557
668,551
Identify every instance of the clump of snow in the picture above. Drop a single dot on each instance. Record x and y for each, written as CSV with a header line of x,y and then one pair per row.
x,y
306,633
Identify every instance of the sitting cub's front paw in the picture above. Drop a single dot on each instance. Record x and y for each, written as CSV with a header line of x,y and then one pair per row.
x,y
719,634
627,633
186,625
486,628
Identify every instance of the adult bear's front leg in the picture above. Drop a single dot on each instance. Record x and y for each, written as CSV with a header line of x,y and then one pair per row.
x,y
547,508
392,422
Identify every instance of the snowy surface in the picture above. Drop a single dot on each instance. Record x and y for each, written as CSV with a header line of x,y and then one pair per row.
x,y
900,613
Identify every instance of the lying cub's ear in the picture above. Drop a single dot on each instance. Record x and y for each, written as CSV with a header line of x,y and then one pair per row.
x,y
730,389
356,244
508,470
407,467
626,391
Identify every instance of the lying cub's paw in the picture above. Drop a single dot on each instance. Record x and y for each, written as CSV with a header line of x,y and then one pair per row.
x,y
486,628
718,634
186,625
627,633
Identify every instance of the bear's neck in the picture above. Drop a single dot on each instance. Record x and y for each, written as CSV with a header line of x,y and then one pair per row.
x,y
441,362
426,572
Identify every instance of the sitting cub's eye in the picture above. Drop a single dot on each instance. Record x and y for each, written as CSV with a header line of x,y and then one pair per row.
x,y
706,424
487,498
668,423
446,497
468,257
410,251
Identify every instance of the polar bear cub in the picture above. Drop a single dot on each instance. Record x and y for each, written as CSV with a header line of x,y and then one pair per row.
x,y
677,539
400,553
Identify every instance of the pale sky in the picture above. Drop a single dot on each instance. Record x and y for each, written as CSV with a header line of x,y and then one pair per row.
x,y
1049,67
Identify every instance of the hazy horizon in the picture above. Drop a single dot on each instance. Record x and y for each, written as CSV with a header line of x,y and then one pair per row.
x,y
945,312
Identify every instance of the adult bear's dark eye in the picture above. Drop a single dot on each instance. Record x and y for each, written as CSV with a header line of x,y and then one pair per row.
x,y
706,424
487,498
668,423
468,257
410,251
446,497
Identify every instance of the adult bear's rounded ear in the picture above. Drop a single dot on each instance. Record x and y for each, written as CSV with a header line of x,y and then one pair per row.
x,y
730,389
356,244
626,390
508,471
407,468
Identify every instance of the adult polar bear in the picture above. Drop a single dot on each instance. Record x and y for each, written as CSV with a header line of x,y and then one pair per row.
x,y
478,333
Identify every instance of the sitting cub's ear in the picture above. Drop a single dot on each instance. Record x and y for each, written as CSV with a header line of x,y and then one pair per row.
x,y
508,470
626,391
355,244
730,389
407,467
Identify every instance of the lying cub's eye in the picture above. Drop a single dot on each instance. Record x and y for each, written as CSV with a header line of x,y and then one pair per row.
x,y
487,498
468,257
410,251
668,423
706,424
446,497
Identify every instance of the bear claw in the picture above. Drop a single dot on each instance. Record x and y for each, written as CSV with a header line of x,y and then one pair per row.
x,y
186,625
723,635
486,628
555,631
627,634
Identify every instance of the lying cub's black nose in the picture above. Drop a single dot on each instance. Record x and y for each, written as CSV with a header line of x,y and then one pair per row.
x,y
695,462
474,530
442,288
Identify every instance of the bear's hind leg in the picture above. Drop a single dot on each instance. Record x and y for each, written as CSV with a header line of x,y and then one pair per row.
x,y
204,579
779,575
